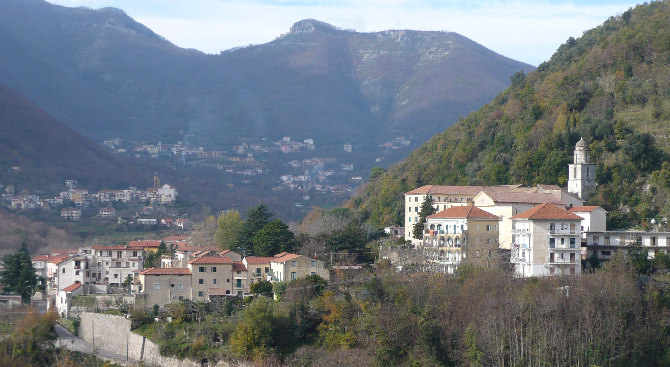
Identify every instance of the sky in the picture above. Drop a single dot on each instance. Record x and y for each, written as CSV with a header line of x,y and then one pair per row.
x,y
525,30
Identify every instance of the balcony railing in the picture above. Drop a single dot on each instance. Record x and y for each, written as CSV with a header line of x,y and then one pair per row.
x,y
562,231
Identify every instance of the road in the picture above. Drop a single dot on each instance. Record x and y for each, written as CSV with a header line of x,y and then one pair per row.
x,y
67,340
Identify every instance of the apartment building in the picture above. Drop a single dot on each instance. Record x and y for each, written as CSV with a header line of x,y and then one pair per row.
x,y
546,241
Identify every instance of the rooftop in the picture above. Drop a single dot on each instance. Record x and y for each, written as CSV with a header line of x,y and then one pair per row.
x,y
547,211
211,260
72,287
583,209
166,271
468,211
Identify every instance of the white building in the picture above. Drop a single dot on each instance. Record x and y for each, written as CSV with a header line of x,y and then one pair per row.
x,y
595,218
286,267
582,173
606,243
546,241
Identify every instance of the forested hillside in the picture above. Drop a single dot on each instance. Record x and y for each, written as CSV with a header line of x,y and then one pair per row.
x,y
610,86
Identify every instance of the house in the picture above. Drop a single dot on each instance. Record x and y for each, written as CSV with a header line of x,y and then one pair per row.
x,y
606,243
64,298
212,272
147,221
546,241
112,265
72,270
10,300
70,213
183,223
258,267
288,267
160,286
395,231
146,245
460,234
595,218
107,212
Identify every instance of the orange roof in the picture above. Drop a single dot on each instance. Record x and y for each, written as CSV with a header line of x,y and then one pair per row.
x,y
40,258
58,259
211,260
285,256
166,271
468,211
547,211
72,287
583,208
217,292
446,190
109,248
239,266
524,197
258,260
144,243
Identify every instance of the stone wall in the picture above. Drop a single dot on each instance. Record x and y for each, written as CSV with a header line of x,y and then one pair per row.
x,y
112,333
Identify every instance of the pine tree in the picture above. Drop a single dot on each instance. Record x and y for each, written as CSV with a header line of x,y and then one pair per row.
x,y
18,275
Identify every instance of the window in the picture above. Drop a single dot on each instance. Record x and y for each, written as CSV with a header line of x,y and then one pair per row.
x,y
201,269
294,263
157,286
552,226
488,227
228,280
416,209
573,242
180,286
213,281
213,269
134,253
171,285
416,199
99,263
409,219
63,270
312,263
312,273
294,275
116,276
199,293
118,264
552,242
181,298
201,281
267,270
258,272
562,240
605,253
238,283
410,209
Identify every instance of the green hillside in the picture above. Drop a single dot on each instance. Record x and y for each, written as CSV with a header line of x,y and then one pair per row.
x,y
611,86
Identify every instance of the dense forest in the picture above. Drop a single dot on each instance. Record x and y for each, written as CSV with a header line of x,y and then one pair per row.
x,y
610,86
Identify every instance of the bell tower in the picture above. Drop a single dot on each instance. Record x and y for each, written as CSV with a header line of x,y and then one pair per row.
x,y
582,173
157,181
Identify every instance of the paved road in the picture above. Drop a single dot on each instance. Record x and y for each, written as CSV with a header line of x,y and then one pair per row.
x,y
67,340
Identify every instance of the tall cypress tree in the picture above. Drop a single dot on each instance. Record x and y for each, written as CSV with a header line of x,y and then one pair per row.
x,y
426,210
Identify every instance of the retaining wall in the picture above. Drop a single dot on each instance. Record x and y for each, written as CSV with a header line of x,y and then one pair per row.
x,y
112,333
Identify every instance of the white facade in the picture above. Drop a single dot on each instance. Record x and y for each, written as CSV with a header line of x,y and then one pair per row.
x,y
543,245
582,173
595,218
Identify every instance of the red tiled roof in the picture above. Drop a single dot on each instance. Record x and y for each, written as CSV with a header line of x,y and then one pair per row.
x,y
58,259
446,190
72,287
285,257
583,209
258,260
239,266
108,248
468,211
217,292
166,271
211,260
145,243
40,258
524,197
547,211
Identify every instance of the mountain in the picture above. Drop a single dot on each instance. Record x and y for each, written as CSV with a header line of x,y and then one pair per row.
x,y
105,75
610,86
36,148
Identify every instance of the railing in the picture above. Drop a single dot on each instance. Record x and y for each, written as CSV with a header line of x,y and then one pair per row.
x,y
562,231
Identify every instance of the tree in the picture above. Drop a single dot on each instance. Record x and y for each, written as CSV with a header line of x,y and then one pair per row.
x,y
261,287
275,237
257,218
18,275
228,227
254,335
426,210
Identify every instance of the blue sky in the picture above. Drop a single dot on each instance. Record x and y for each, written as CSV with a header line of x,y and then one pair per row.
x,y
524,30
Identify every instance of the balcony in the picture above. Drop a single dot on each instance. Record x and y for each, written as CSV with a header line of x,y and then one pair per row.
x,y
562,231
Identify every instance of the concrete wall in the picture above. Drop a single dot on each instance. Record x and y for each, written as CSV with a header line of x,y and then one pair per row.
x,y
112,333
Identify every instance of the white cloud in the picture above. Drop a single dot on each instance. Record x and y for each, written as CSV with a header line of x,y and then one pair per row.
x,y
524,30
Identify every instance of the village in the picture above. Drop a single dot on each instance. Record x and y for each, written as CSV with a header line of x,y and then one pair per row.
x,y
534,231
